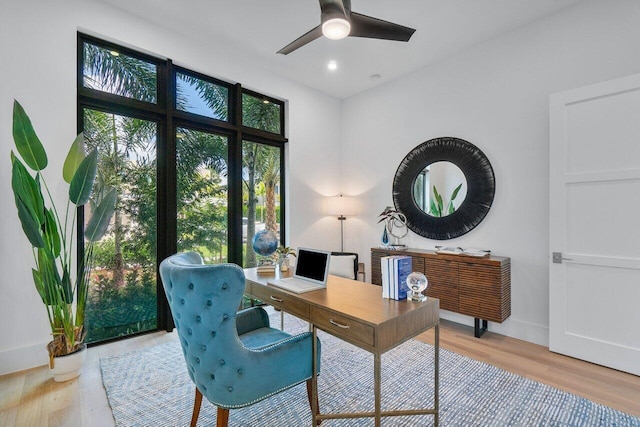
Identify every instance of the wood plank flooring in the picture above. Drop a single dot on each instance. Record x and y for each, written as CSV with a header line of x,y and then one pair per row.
x,y
31,398
607,386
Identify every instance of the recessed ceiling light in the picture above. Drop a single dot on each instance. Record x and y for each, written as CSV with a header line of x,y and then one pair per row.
x,y
265,101
332,65
114,53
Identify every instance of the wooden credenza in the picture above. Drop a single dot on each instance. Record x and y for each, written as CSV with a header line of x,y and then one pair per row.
x,y
477,287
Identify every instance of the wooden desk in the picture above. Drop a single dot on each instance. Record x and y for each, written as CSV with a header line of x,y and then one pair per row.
x,y
356,312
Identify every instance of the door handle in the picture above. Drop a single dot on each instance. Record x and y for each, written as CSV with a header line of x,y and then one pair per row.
x,y
558,258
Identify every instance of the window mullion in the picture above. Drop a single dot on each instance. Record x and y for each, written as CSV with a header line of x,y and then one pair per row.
x,y
235,178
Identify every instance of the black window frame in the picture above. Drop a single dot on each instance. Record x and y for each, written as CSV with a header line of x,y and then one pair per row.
x,y
169,118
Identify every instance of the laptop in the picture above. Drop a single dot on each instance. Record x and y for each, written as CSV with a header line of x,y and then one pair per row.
x,y
312,269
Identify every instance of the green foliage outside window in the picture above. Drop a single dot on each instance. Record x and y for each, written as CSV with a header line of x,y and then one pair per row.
x,y
122,298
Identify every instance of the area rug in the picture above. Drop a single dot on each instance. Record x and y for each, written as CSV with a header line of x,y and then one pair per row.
x,y
151,387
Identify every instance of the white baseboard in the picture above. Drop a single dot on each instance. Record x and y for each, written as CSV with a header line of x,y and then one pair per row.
x,y
514,328
23,358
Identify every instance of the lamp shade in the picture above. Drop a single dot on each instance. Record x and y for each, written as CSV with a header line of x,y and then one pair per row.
x,y
341,206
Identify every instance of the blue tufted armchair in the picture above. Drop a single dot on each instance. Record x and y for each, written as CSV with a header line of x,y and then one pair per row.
x,y
234,359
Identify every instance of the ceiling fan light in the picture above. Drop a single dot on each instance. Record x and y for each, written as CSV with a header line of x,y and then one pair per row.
x,y
336,28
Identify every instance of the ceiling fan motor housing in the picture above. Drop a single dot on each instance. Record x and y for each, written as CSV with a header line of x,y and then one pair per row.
x,y
335,9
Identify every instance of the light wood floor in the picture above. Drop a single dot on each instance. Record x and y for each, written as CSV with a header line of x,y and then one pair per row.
x,y
31,398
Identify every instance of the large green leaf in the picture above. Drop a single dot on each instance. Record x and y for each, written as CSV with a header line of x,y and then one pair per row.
x,y
439,201
27,142
97,225
37,280
455,192
82,182
74,158
66,287
52,233
50,276
433,211
30,226
27,189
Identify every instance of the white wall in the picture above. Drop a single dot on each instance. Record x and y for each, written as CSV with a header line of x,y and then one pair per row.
x,y
496,96
38,47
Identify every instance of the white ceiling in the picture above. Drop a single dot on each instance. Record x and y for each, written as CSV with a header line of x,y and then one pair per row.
x,y
259,28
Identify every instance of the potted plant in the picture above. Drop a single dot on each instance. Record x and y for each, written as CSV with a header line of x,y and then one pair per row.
x,y
50,232
283,256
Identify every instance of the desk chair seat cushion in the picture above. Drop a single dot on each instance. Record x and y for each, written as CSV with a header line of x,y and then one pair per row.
x,y
234,359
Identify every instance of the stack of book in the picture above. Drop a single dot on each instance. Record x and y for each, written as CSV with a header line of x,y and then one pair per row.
x,y
266,269
395,270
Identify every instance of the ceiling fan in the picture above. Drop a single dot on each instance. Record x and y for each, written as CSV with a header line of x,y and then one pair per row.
x,y
337,21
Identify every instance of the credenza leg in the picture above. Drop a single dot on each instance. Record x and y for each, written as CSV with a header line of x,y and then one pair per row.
x,y
436,379
477,330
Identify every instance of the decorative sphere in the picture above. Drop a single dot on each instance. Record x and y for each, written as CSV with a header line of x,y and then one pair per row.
x,y
417,282
265,242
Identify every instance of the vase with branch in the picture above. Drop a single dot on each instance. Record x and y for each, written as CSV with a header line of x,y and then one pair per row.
x,y
395,224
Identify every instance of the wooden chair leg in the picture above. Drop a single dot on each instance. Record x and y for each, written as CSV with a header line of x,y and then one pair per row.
x,y
310,396
223,417
196,408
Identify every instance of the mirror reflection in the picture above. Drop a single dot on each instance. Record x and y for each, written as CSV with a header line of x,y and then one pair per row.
x,y
439,189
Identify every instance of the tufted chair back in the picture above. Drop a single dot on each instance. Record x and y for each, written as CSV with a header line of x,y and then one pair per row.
x,y
234,359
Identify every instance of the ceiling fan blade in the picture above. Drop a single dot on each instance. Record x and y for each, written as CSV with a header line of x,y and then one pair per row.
x,y
374,28
302,40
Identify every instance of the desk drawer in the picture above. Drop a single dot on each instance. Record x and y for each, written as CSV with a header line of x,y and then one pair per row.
x,y
281,300
343,327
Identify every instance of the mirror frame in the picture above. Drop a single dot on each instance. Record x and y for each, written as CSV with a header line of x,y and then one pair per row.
x,y
477,171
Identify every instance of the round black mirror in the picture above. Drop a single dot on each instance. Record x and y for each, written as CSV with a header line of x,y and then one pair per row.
x,y
445,188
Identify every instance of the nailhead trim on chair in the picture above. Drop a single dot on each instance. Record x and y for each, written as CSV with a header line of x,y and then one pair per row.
x,y
279,343
220,405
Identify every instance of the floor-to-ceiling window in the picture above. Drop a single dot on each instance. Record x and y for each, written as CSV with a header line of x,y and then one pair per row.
x,y
198,165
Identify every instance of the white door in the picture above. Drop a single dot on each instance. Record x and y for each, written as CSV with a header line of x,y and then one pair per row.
x,y
594,292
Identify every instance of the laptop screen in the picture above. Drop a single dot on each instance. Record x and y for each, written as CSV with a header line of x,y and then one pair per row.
x,y
312,264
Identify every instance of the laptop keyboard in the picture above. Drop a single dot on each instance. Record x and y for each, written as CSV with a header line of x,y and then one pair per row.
x,y
296,285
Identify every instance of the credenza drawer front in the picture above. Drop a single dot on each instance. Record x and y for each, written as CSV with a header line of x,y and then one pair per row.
x,y
343,327
281,300
443,283
483,293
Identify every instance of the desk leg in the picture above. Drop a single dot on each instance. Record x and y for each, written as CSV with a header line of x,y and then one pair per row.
x,y
376,388
436,379
314,377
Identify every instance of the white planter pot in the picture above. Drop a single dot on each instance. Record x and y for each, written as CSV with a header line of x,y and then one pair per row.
x,y
68,367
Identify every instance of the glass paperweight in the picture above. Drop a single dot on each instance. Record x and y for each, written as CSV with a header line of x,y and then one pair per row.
x,y
417,283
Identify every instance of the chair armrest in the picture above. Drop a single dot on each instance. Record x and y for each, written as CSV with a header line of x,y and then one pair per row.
x,y
291,351
250,319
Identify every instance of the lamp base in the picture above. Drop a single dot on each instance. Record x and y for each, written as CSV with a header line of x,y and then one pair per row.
x,y
417,296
